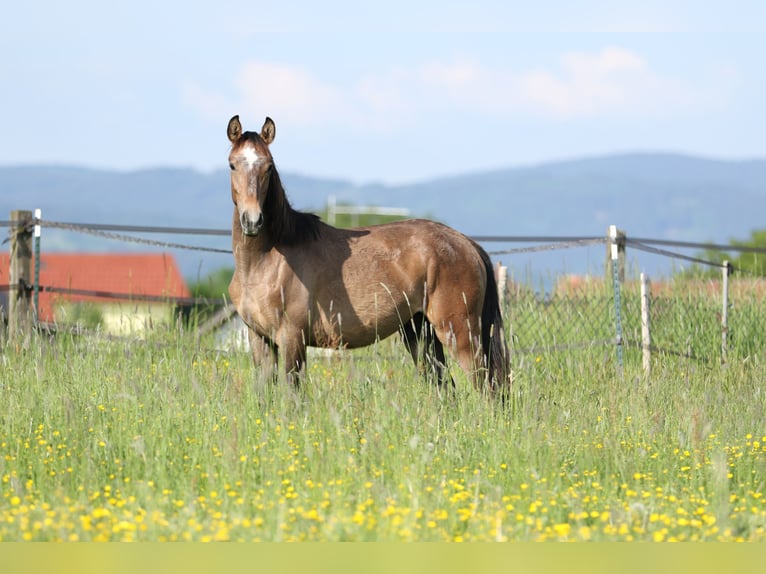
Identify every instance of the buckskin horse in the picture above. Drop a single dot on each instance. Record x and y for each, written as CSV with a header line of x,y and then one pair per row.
x,y
299,282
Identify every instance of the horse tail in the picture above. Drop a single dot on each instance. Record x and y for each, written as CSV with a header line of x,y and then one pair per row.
x,y
494,348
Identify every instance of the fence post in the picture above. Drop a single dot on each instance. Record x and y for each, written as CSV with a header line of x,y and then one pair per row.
x,y
646,335
20,273
726,271
616,241
614,251
502,285
36,296
331,209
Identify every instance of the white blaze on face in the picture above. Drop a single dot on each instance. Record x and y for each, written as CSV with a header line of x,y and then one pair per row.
x,y
250,157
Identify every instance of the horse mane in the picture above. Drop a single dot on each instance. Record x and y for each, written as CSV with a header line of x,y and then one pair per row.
x,y
285,225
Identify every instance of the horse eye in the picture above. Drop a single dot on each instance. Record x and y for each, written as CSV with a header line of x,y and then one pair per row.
x,y
231,166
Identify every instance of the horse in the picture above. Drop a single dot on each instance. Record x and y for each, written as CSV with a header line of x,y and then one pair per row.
x,y
300,282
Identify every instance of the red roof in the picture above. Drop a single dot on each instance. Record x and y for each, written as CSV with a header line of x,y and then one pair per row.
x,y
154,275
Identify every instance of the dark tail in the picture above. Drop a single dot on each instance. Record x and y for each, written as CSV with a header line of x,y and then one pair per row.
x,y
493,343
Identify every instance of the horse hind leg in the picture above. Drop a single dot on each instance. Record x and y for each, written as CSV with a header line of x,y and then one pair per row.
x,y
464,344
425,348
433,352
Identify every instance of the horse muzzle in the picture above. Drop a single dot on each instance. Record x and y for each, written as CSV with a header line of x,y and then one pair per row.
x,y
250,225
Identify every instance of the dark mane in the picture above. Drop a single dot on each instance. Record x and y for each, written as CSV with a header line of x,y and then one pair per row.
x,y
285,225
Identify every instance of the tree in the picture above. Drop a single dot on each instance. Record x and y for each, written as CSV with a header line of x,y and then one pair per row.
x,y
347,220
214,286
748,256
752,261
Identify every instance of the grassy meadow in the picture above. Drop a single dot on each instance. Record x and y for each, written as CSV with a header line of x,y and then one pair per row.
x,y
165,440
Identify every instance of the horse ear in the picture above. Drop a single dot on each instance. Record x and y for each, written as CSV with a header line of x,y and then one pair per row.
x,y
268,131
234,131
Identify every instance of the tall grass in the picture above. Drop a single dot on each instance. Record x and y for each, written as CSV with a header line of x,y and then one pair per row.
x,y
161,439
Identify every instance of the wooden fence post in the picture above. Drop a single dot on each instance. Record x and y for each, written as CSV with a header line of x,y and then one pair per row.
x,y
19,317
502,285
646,335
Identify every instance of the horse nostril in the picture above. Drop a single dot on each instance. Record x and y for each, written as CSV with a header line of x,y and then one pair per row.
x,y
250,226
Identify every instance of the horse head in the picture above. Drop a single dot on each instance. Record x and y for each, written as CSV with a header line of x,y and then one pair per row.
x,y
251,167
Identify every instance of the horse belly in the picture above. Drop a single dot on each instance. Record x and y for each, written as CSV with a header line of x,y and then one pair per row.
x,y
360,321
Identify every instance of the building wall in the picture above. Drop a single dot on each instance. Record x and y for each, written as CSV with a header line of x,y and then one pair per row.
x,y
123,318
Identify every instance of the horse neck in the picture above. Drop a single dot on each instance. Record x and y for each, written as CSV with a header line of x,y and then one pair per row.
x,y
284,226
246,249
281,210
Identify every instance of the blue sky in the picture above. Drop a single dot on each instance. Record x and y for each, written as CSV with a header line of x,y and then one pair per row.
x,y
391,92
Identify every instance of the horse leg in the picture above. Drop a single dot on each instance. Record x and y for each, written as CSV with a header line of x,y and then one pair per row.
x,y
264,353
434,355
465,343
294,351
411,335
418,336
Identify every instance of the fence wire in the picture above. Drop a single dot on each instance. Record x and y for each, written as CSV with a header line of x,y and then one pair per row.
x,y
564,244
102,231
560,321
685,317
673,255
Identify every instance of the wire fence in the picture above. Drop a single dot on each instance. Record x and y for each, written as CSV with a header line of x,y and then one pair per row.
x,y
576,315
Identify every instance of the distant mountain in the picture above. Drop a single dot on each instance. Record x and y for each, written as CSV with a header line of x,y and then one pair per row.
x,y
649,195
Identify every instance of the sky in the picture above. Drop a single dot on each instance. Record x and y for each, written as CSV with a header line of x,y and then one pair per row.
x,y
390,92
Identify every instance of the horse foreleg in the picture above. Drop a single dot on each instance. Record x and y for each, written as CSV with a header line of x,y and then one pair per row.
x,y
294,356
410,336
264,353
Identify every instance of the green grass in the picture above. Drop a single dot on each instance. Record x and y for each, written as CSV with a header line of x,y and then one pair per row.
x,y
159,440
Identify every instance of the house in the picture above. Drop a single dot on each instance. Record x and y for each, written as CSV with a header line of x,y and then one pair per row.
x,y
119,292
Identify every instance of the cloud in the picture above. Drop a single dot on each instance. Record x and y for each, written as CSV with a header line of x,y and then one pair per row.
x,y
288,92
613,82
587,84
210,105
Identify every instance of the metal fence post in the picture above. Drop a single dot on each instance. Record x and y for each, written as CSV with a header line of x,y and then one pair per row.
x,y
36,297
615,256
726,271
331,205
